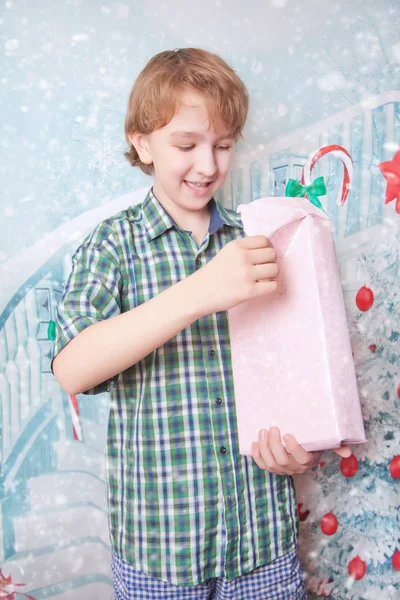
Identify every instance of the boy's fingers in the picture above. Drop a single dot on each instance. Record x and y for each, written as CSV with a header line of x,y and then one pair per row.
x,y
260,256
277,448
257,455
266,453
256,241
277,458
269,286
343,451
265,272
298,453
270,455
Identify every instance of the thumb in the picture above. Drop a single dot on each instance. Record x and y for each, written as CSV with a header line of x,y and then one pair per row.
x,y
343,451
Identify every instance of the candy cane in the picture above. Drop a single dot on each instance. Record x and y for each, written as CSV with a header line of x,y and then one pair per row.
x,y
347,165
76,425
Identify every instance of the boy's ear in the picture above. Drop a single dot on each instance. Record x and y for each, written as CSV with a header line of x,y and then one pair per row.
x,y
141,144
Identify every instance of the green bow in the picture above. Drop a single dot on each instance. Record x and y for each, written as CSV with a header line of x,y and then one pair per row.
x,y
51,331
317,188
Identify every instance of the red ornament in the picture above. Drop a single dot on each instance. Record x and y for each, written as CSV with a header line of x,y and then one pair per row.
x,y
329,524
324,588
391,172
364,298
395,467
357,568
372,347
396,560
349,466
398,390
322,463
302,514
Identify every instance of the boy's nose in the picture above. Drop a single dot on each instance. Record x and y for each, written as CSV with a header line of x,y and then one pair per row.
x,y
206,164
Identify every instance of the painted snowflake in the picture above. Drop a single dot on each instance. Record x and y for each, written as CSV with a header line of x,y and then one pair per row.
x,y
104,153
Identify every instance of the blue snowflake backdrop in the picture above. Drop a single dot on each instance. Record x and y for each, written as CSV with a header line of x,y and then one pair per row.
x,y
318,73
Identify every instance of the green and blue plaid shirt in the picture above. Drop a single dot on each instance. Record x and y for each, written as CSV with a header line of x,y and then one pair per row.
x,y
184,505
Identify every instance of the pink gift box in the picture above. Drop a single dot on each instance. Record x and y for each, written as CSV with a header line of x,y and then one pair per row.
x,y
291,354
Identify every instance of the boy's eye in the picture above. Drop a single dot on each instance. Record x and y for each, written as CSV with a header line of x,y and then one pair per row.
x,y
187,148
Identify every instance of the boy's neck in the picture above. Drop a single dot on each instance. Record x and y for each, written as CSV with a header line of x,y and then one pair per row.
x,y
199,232
198,222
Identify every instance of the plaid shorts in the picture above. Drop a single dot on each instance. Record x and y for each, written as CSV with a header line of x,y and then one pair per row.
x,y
282,579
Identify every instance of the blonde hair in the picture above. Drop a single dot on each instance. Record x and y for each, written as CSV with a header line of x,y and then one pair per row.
x,y
155,94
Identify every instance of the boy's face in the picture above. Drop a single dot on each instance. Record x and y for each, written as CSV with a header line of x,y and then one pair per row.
x,y
185,152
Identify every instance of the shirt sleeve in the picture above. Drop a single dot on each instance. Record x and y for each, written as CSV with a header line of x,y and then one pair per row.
x,y
92,292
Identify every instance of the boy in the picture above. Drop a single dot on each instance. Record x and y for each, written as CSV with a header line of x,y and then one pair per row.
x,y
144,315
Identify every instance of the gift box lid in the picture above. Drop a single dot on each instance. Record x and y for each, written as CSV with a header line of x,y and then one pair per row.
x,y
284,210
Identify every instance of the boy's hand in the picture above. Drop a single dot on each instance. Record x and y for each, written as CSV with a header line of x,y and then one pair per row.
x,y
243,269
271,455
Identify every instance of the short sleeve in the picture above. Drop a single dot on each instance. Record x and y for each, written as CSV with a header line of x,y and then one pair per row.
x,y
92,292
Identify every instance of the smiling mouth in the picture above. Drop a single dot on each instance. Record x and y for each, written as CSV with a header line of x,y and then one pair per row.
x,y
198,185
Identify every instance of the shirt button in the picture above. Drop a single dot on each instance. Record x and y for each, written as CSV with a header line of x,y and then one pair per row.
x,y
198,262
218,400
212,352
222,449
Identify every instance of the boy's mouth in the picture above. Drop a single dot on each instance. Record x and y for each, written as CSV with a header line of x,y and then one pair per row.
x,y
198,188
198,184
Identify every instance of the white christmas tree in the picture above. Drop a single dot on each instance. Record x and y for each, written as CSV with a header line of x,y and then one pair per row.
x,y
354,552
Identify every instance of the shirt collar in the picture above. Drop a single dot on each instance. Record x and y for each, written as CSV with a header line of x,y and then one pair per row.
x,y
157,220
